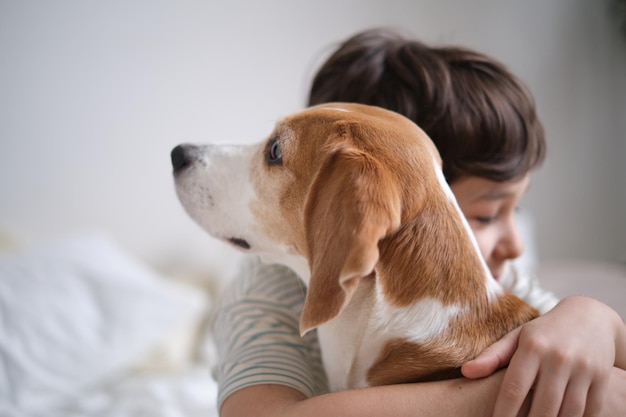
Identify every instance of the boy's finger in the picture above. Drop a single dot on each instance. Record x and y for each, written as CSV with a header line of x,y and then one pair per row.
x,y
549,391
493,358
518,382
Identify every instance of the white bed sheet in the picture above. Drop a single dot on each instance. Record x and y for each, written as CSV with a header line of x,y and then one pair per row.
x,y
184,393
79,319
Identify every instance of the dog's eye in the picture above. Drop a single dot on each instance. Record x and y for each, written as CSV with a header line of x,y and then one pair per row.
x,y
273,154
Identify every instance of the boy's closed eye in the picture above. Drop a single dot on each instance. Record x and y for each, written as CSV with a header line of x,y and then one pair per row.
x,y
489,219
486,220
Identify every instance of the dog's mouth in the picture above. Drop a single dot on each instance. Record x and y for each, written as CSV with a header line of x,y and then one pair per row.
x,y
240,243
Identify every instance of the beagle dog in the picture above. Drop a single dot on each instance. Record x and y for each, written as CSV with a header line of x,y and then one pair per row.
x,y
353,199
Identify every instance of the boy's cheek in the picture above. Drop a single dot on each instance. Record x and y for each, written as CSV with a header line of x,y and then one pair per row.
x,y
484,240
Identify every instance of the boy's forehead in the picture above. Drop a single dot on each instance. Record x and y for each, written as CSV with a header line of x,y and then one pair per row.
x,y
476,189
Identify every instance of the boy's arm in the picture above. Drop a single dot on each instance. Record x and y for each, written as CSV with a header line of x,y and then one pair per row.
x,y
267,369
458,397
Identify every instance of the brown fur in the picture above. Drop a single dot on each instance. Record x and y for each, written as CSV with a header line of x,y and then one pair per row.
x,y
401,361
359,194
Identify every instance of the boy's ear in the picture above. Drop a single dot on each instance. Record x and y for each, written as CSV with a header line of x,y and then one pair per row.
x,y
353,203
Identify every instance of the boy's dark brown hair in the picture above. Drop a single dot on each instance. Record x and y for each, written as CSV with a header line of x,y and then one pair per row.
x,y
479,115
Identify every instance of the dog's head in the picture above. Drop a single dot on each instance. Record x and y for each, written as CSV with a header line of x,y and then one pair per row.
x,y
325,187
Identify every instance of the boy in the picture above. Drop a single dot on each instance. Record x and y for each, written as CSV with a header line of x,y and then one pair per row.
x,y
483,121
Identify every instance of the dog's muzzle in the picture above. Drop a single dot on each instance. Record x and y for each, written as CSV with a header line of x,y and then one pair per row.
x,y
184,157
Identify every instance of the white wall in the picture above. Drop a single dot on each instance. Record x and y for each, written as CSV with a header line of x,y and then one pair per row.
x,y
93,95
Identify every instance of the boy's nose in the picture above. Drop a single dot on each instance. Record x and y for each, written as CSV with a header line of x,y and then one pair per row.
x,y
510,245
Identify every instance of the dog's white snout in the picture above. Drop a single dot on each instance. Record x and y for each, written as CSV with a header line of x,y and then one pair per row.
x,y
213,185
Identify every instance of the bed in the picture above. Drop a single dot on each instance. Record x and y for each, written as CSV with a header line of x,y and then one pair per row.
x,y
86,330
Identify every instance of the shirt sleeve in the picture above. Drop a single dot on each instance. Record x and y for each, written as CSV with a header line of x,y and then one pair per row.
x,y
526,287
257,335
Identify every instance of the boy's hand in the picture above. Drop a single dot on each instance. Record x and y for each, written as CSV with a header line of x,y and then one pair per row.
x,y
564,357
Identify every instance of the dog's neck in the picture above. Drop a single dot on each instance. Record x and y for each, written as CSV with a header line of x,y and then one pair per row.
x,y
297,263
434,255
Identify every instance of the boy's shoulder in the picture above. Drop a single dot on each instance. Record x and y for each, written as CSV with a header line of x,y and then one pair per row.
x,y
259,280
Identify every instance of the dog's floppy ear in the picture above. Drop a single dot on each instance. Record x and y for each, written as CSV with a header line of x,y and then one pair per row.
x,y
353,203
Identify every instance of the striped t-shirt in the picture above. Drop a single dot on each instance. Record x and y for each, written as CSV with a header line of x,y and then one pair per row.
x,y
257,336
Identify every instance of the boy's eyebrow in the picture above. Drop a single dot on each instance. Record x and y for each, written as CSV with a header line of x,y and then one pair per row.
x,y
495,195
499,194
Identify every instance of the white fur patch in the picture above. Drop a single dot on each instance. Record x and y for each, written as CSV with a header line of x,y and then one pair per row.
x,y
492,286
338,109
417,323
216,190
347,364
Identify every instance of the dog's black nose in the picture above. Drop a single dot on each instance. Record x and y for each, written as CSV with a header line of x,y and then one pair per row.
x,y
180,158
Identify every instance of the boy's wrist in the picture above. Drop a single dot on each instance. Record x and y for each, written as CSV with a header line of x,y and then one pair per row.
x,y
620,342
615,404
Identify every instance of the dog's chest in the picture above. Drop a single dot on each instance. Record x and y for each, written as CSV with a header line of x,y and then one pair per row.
x,y
352,342
347,344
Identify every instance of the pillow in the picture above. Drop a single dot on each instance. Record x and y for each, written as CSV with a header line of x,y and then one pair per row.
x,y
77,313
